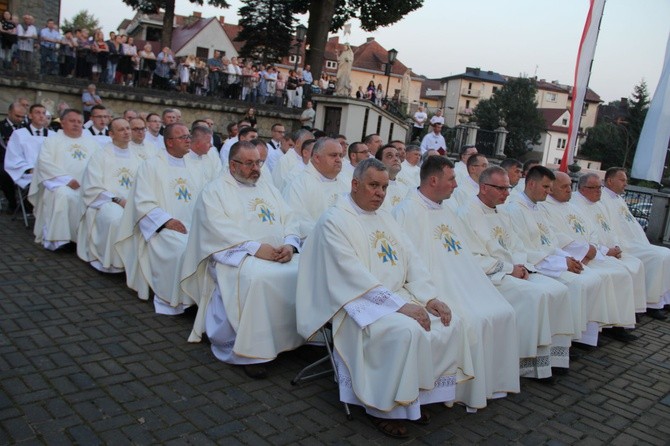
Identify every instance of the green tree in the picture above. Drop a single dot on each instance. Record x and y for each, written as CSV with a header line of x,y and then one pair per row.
x,y
515,104
605,142
637,112
267,27
331,15
153,6
82,20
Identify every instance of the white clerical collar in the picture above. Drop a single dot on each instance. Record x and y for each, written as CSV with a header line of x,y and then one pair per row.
x,y
430,203
358,210
174,161
531,204
118,151
34,129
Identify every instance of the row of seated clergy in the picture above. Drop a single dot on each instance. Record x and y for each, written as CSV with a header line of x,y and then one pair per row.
x,y
286,163
154,227
617,229
54,190
520,235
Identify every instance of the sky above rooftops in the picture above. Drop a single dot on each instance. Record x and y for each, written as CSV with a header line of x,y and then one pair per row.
x,y
513,37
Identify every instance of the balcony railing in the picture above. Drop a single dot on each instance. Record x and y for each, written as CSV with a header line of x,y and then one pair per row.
x,y
471,92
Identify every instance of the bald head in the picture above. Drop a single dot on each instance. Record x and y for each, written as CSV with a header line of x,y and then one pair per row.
x,y
561,189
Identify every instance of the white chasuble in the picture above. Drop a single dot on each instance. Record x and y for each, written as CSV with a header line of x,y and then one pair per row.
x,y
566,219
280,173
390,364
250,298
110,173
165,188
409,175
633,240
58,208
310,194
395,193
489,319
543,305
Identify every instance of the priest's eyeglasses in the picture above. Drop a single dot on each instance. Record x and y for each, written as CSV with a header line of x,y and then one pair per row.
x,y
499,188
250,164
593,187
182,137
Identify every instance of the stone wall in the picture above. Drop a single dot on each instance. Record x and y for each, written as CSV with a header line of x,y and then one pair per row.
x,y
118,98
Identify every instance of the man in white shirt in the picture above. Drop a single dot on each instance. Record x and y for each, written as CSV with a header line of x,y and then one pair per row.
x,y
419,119
308,115
434,140
24,146
397,345
275,145
240,266
27,34
153,134
100,117
438,118
411,167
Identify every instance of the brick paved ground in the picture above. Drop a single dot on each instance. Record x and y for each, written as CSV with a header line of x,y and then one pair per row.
x,y
82,360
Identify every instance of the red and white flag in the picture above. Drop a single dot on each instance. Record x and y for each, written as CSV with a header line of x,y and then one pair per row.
x,y
587,49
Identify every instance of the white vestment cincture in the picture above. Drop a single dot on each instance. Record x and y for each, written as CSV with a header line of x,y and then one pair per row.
x,y
567,219
633,240
357,270
23,148
489,319
548,251
57,207
165,188
310,194
245,304
542,304
110,174
410,175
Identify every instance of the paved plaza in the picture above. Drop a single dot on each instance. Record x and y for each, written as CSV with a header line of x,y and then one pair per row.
x,y
82,360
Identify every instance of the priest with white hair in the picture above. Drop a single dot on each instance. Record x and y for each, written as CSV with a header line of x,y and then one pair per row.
x,y
622,233
397,345
154,228
241,265
565,218
55,188
434,230
106,184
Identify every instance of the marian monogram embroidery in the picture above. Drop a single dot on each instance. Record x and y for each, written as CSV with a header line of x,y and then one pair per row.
x,y
125,177
625,213
386,252
395,200
77,153
602,222
544,234
264,210
577,224
181,192
501,236
446,235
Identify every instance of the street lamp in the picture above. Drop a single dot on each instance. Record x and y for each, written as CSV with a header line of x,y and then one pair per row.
x,y
392,54
300,33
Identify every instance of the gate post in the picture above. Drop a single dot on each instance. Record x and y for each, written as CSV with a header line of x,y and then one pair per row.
x,y
501,137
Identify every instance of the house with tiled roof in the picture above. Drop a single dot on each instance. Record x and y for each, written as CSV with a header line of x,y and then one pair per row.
x,y
191,35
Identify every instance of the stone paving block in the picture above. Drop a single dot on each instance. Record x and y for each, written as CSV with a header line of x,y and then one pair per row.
x,y
84,435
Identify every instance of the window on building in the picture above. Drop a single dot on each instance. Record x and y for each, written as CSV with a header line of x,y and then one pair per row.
x,y
557,161
154,34
560,143
202,53
331,64
550,97
467,104
565,121
494,89
291,59
585,109
588,165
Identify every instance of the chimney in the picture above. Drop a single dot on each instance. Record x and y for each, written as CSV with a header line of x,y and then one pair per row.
x,y
222,20
369,39
197,14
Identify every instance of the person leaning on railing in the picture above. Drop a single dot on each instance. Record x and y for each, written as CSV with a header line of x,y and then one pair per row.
x,y
164,63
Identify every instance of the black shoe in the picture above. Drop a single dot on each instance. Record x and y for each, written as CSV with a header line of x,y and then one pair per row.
x,y
550,381
559,371
256,371
584,347
620,334
657,314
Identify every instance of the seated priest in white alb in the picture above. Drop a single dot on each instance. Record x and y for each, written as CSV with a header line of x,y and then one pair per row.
x,y
542,304
567,219
489,319
54,191
305,151
514,169
560,256
99,131
469,187
518,188
410,167
138,140
632,240
280,173
396,191
397,345
24,146
154,228
461,166
105,186
246,133
264,152
318,186
204,152
355,153
241,266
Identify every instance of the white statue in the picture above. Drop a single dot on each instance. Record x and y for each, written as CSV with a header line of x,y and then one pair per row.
x,y
344,63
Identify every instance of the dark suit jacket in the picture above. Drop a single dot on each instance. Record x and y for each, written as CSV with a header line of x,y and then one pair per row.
x,y
6,130
217,141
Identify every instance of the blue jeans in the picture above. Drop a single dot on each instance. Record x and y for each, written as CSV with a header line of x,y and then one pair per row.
x,y
48,61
